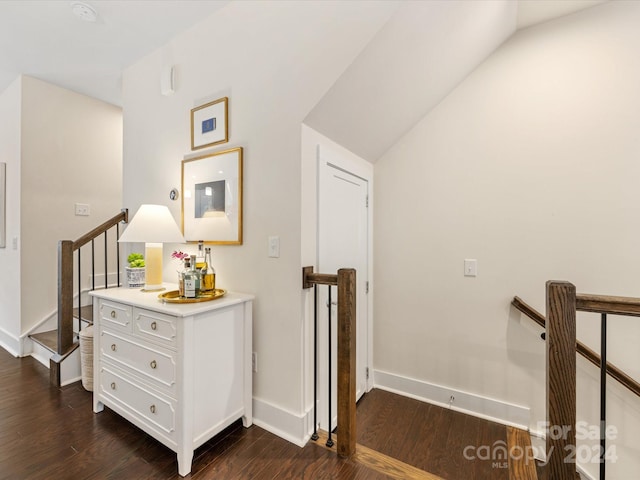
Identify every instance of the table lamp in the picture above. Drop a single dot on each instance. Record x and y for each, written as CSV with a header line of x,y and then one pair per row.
x,y
152,225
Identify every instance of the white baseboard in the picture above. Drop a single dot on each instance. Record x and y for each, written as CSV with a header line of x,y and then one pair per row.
x,y
283,423
297,428
10,343
40,353
472,404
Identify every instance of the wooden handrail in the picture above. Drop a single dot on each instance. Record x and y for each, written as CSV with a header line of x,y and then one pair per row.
x,y
562,304
309,279
346,282
529,311
123,216
608,304
615,372
66,248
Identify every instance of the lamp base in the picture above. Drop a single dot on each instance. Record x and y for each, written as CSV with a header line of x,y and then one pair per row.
x,y
153,288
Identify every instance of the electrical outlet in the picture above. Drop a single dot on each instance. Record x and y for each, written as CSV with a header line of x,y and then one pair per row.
x,y
82,209
254,362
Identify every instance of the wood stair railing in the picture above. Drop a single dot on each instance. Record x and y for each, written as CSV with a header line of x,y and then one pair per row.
x,y
345,280
562,303
613,371
66,341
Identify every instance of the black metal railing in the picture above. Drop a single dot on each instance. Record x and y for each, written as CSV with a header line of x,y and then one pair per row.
x,y
603,393
345,280
67,249
562,402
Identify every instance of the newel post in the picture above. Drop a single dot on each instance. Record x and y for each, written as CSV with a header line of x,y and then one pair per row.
x,y
65,295
561,380
346,362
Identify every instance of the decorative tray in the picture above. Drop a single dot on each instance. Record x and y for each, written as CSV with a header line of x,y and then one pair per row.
x,y
173,296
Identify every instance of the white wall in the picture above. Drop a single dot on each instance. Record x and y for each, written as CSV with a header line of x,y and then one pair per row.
x,y
531,167
71,153
10,258
274,61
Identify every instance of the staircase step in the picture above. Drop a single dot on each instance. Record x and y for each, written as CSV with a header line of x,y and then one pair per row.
x,y
49,340
522,465
86,313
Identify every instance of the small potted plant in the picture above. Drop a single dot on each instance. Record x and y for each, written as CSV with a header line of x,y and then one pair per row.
x,y
135,270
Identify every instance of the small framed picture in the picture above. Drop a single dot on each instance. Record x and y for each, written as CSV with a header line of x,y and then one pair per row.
x,y
212,198
209,125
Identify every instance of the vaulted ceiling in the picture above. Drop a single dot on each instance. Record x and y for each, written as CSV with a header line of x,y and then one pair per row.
x,y
420,55
423,51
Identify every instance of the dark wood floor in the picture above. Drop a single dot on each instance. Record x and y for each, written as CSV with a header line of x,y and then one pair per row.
x,y
52,433
429,437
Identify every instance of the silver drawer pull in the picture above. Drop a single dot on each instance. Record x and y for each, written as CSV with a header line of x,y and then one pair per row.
x,y
154,326
113,385
113,314
113,347
152,408
153,364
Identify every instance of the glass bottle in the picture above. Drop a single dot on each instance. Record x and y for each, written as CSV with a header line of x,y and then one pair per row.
x,y
198,274
208,273
191,283
200,257
186,265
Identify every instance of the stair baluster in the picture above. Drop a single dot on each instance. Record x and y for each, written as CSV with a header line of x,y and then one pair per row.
x,y
329,420
562,305
66,337
345,280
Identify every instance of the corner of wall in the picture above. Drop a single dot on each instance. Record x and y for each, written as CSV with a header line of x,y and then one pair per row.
x,y
10,343
10,154
292,427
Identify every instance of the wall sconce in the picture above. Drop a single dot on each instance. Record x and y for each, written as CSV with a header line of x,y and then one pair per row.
x,y
168,81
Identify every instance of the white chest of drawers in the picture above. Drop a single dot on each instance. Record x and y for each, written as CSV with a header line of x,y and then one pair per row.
x,y
180,372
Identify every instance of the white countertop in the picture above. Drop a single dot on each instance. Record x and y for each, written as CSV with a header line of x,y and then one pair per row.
x,y
149,300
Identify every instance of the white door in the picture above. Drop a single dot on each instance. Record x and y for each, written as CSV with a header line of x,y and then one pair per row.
x,y
342,243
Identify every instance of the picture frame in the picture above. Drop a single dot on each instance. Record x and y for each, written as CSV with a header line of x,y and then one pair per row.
x,y
212,198
3,205
209,124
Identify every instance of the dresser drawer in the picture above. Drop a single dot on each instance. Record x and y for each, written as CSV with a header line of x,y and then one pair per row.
x,y
155,326
153,408
152,362
115,315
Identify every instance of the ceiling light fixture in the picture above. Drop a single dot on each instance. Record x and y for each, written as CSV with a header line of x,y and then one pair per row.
x,y
84,11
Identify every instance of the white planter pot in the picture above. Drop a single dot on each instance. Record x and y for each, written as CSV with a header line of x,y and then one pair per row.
x,y
135,277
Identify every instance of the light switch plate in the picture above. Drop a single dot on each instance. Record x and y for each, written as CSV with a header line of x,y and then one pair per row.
x,y
274,247
82,209
470,267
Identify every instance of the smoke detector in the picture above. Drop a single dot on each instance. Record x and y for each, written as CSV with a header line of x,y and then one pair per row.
x,y
84,11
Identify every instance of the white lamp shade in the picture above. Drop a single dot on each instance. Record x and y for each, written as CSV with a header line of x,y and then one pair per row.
x,y
152,224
